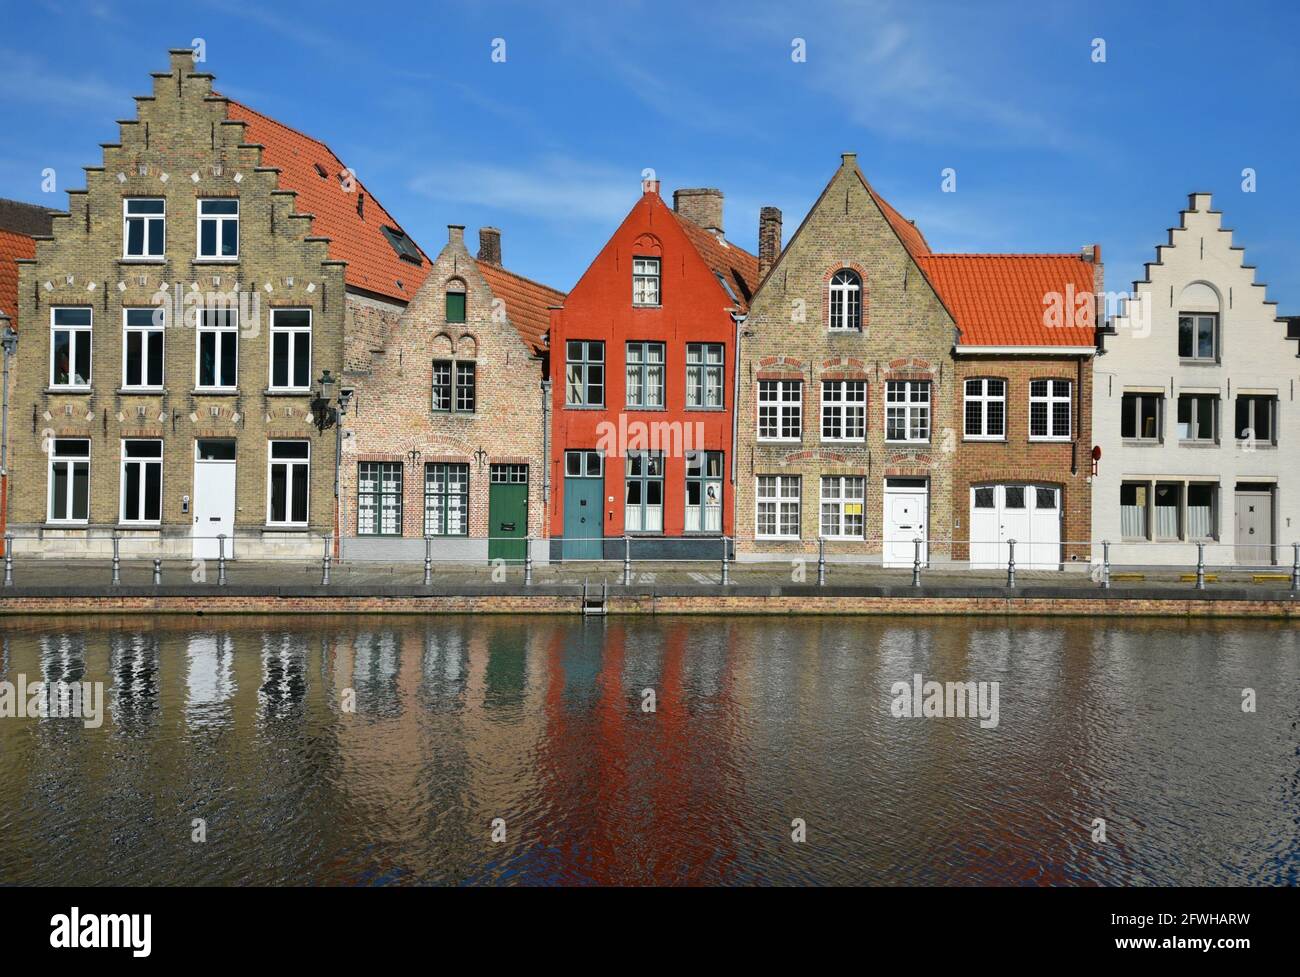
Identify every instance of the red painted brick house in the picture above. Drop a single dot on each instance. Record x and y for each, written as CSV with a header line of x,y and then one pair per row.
x,y
643,361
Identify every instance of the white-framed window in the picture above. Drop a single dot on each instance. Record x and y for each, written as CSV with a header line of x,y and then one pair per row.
x,y
288,484
907,410
777,507
446,499
780,410
846,301
1142,416
291,349
844,506
584,463
643,510
379,498
454,386
70,335
986,409
141,482
219,228
645,281
69,480
1198,417
645,375
144,227
1049,410
142,348
217,350
844,410
1256,419
1198,336
704,376
584,377
704,491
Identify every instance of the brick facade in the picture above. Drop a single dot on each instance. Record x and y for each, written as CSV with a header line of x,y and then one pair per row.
x,y
181,147
906,333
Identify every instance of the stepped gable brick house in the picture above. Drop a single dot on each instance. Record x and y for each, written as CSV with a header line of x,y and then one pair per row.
x,y
857,393
643,356
175,324
447,433
1195,410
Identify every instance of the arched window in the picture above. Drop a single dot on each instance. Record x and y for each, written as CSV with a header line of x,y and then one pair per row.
x,y
456,300
846,300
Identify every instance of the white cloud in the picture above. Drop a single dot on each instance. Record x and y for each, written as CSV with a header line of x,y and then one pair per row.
x,y
555,188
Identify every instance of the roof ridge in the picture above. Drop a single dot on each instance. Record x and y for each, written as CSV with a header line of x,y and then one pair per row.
x,y
717,237
1005,254
522,278
276,122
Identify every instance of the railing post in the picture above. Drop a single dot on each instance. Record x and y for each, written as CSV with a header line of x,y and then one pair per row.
x,y
1295,569
221,559
821,561
325,566
9,558
1200,566
726,563
916,562
428,560
117,560
528,562
1011,563
157,571
1105,564
627,561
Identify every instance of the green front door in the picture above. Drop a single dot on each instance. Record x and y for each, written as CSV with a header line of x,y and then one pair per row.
x,y
582,527
508,513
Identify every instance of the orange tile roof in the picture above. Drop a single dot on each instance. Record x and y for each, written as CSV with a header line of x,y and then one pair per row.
x,y
373,264
736,265
527,303
998,299
910,234
12,247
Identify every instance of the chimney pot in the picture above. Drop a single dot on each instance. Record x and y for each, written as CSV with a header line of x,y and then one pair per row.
x,y
769,239
649,186
489,245
700,205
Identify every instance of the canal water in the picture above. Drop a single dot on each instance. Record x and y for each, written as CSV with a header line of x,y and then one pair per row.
x,y
461,750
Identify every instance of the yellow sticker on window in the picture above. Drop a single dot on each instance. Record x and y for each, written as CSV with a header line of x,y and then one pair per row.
x,y
853,509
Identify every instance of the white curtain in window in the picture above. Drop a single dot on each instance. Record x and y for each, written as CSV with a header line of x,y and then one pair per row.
x,y
1200,521
1133,521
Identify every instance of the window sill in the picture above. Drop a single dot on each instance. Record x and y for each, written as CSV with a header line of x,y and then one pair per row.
x,y
911,444
1065,440
1197,361
143,260
844,441
141,391
1190,443
1145,442
976,439
295,528
283,392
215,392
779,440
207,260
65,525
1256,446
138,527
585,407
647,305
778,539
705,410
644,410
69,390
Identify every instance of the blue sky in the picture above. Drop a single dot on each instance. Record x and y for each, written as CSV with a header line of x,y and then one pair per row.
x,y
1051,150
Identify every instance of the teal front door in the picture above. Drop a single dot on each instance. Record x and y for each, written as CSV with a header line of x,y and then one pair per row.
x,y
582,524
508,513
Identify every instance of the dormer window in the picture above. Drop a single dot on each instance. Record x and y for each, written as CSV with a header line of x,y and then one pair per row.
x,y
456,301
402,244
645,281
846,301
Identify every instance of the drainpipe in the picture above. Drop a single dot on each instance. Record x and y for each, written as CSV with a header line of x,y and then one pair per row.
x,y
546,453
739,318
9,339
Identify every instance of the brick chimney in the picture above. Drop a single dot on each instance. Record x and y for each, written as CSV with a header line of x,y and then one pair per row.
x,y
489,245
769,239
701,205
456,234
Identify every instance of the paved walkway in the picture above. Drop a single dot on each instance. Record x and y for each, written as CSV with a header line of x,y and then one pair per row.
x,y
37,575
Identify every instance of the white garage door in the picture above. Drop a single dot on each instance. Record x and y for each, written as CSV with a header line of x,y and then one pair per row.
x,y
1029,514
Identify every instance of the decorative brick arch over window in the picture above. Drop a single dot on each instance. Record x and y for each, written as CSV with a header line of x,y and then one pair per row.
x,y
839,295
647,246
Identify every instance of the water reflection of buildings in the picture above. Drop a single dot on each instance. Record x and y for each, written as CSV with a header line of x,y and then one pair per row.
x,y
209,679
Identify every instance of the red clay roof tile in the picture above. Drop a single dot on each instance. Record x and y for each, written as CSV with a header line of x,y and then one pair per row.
x,y
527,303
12,247
733,264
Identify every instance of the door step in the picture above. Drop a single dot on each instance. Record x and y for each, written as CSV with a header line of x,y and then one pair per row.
x,y
592,602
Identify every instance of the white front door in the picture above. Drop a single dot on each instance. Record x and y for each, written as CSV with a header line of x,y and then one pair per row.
x,y
907,504
214,499
1028,514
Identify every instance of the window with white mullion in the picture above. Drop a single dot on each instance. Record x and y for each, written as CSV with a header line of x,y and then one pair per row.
x,y
846,301
907,410
1049,410
144,227
69,481
141,485
986,409
777,507
219,228
70,344
218,350
645,281
844,410
142,348
843,506
291,349
780,410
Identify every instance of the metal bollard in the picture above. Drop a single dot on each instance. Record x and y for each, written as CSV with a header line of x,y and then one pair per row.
x,y
528,562
1200,566
117,561
1011,563
1295,570
325,566
627,561
9,558
726,564
428,561
1105,564
157,572
221,559
821,561
916,562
